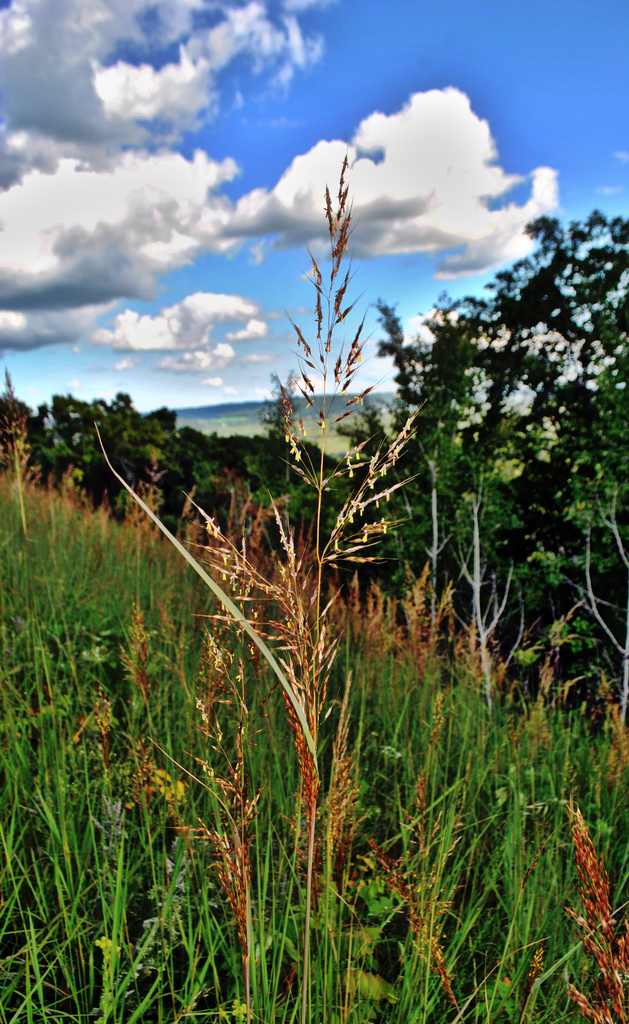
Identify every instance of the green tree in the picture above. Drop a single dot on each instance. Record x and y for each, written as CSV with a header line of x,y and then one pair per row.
x,y
64,440
528,387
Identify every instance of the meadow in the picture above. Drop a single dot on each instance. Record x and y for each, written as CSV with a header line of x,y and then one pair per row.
x,y
112,909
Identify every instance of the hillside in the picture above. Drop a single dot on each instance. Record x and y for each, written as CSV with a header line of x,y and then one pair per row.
x,y
246,418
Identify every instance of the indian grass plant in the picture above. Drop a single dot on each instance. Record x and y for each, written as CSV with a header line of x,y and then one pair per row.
x,y
604,938
300,629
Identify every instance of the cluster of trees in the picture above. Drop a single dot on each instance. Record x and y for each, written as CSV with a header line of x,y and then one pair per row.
x,y
519,463
521,455
223,475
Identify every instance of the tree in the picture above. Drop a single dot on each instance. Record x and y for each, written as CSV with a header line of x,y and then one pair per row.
x,y
64,440
526,386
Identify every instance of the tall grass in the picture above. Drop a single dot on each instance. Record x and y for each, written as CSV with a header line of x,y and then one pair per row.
x,y
110,911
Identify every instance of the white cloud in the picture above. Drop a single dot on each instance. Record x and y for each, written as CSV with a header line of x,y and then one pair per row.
x,y
12,321
214,382
254,329
504,236
22,332
194,362
188,324
256,357
623,156
423,180
176,91
126,363
230,391
58,81
224,351
609,190
75,384
303,5
78,236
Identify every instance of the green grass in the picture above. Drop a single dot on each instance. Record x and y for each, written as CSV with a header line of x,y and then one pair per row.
x,y
111,912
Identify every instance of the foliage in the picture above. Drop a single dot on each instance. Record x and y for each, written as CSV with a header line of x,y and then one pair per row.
x,y
522,396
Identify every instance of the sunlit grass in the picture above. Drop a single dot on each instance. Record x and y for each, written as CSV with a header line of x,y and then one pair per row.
x,y
109,912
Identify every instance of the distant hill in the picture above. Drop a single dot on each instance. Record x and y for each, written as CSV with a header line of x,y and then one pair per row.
x,y
245,418
211,412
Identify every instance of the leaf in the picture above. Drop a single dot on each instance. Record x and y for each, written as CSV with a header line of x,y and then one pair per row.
x,y
371,986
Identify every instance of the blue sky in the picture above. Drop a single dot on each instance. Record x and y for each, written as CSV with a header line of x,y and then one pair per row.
x,y
162,169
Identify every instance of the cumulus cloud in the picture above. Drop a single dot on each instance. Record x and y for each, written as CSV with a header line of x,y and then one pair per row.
x,y
127,363
79,237
94,203
188,324
25,331
214,382
61,80
254,329
142,93
89,217
193,362
424,179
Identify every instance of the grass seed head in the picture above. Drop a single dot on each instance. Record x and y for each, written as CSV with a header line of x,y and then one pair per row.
x,y
606,943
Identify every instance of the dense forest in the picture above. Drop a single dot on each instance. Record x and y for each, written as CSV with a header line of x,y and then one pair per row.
x,y
518,469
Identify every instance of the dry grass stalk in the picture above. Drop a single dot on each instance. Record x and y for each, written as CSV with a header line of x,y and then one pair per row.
x,y
605,941
619,753
143,779
370,620
231,838
343,805
535,971
425,615
301,629
14,447
102,714
135,660
306,653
